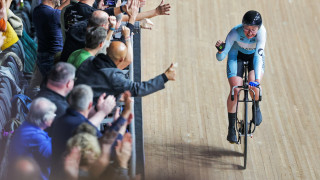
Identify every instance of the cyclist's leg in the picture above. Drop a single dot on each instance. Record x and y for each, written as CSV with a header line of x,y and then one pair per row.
x,y
258,117
234,72
233,81
256,64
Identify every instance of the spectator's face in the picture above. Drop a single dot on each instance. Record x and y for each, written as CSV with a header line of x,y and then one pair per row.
x,y
50,121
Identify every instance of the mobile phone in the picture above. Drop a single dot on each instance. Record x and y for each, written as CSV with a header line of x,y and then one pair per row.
x,y
110,3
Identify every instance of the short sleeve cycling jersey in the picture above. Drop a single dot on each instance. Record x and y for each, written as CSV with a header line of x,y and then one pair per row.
x,y
237,41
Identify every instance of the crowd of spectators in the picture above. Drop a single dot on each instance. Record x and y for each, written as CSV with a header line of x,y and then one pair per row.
x,y
84,49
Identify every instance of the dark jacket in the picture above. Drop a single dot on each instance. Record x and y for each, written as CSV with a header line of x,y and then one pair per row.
x,y
62,130
103,76
59,100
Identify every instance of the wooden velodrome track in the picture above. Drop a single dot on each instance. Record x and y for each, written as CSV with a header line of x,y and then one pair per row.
x,y
185,125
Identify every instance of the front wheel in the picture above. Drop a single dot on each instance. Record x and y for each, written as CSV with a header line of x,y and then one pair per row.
x,y
245,135
245,147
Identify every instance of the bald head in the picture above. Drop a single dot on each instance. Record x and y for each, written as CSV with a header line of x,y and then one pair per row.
x,y
98,18
117,51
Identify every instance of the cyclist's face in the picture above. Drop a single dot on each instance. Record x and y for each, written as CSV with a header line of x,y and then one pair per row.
x,y
250,31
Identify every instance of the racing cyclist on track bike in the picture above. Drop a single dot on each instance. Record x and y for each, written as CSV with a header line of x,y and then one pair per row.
x,y
245,42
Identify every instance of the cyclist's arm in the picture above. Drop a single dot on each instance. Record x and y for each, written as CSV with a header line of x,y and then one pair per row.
x,y
259,54
232,36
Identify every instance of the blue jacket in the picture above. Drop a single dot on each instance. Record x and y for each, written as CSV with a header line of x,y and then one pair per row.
x,y
29,140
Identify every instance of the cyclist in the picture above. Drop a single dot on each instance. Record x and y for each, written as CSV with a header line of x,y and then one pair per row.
x,y
244,42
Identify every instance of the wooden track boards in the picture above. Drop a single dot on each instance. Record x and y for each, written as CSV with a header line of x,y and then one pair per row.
x,y
185,125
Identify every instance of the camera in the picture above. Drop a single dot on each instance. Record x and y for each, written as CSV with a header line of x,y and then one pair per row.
x,y
110,3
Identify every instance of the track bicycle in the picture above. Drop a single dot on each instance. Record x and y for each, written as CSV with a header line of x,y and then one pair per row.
x,y
242,124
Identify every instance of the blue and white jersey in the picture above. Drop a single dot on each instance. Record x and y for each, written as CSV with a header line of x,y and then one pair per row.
x,y
237,41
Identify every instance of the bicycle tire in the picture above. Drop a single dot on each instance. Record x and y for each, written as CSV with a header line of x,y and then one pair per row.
x,y
245,144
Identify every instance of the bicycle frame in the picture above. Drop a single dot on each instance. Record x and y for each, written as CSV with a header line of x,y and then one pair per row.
x,y
245,88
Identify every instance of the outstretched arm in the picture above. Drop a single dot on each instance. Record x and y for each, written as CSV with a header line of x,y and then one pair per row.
x,y
162,9
121,84
232,36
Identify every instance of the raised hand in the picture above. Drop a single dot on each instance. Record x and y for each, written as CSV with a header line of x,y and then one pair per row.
x,y
108,139
146,24
71,163
163,9
171,73
132,8
125,32
102,162
106,104
220,46
124,150
127,105
112,21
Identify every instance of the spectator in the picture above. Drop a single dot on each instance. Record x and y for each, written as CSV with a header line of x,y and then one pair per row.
x,y
72,162
80,144
84,8
31,140
80,100
81,11
93,157
60,83
77,15
75,37
85,138
46,21
104,74
95,38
